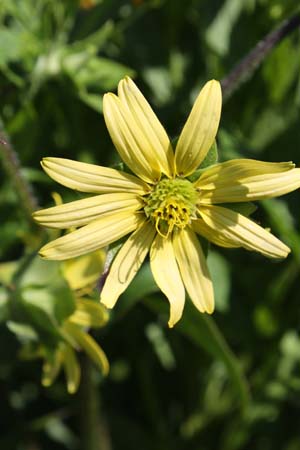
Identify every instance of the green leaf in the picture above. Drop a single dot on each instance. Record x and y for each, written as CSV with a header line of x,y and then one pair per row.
x,y
220,273
23,331
56,300
211,157
99,74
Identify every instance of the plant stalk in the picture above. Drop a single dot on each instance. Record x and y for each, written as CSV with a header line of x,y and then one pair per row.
x,y
247,66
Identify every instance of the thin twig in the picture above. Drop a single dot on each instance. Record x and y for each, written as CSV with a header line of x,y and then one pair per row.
x,y
245,68
12,166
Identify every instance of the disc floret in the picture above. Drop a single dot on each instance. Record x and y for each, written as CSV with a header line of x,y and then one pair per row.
x,y
172,203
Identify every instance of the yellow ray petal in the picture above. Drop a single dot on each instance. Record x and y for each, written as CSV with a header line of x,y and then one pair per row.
x,y
127,263
200,129
89,314
245,180
83,271
194,270
81,212
85,177
129,140
246,233
72,369
201,228
91,237
89,345
167,276
153,134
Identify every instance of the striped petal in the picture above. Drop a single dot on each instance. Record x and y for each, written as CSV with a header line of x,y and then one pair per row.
x,y
201,228
194,270
126,264
200,129
142,115
247,180
130,140
91,237
167,276
85,177
246,233
81,212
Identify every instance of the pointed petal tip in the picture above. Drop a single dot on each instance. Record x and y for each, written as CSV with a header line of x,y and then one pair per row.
x,y
108,303
210,308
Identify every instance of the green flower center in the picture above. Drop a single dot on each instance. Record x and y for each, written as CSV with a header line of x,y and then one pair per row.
x,y
172,203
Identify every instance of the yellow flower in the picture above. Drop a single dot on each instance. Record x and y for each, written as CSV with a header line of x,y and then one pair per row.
x,y
160,207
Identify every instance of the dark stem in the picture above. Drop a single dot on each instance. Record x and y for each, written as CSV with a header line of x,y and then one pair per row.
x,y
12,166
245,68
94,432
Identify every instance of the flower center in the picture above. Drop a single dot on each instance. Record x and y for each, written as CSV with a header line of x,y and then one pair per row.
x,y
172,203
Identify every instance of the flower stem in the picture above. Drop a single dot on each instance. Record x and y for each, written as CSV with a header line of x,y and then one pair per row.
x,y
247,66
12,166
94,432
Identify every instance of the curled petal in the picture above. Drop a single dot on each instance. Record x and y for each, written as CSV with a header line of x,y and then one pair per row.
x,y
133,147
142,116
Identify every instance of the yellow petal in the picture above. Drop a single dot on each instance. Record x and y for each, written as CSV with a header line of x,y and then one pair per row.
x,y
89,314
129,140
81,212
200,129
85,177
51,367
126,264
167,276
153,134
247,180
246,233
194,270
89,345
84,271
91,237
201,228
72,369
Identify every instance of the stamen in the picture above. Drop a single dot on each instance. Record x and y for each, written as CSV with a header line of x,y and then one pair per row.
x,y
172,203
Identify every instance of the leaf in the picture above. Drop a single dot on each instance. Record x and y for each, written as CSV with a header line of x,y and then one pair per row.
x,y
211,157
57,301
220,273
23,331
219,32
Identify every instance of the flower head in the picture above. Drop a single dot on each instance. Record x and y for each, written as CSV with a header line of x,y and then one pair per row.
x,y
159,207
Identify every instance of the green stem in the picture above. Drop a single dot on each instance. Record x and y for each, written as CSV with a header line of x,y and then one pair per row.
x,y
94,432
247,66
12,166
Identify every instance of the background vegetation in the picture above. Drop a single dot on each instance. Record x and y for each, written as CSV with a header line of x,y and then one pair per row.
x,y
231,382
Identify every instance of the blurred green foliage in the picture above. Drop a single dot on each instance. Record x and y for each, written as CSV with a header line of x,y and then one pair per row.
x,y
193,387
